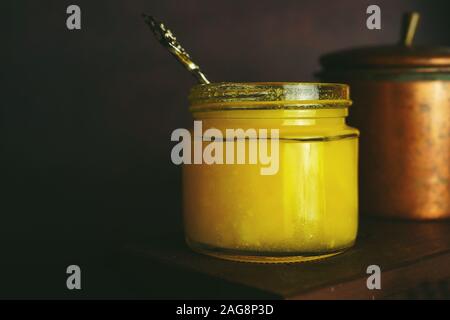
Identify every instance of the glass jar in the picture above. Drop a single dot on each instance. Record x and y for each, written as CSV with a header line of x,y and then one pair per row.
x,y
304,210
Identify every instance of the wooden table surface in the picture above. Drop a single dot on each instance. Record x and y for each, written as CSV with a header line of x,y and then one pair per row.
x,y
414,258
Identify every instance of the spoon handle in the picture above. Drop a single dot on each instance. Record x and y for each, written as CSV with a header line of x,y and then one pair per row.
x,y
169,41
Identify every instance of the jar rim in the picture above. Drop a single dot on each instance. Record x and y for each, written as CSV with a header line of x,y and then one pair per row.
x,y
268,95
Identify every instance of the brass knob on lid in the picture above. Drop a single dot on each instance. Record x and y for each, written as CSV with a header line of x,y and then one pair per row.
x,y
409,26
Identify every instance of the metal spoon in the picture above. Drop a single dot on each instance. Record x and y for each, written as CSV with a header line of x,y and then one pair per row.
x,y
168,40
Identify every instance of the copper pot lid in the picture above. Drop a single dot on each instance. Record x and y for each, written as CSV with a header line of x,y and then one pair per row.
x,y
403,55
388,56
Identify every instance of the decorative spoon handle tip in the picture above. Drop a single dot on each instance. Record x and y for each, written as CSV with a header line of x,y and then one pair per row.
x,y
169,41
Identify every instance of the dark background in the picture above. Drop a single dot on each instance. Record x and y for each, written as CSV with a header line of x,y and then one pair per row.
x,y
87,116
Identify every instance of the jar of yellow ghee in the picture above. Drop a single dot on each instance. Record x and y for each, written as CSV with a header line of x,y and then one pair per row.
x,y
306,206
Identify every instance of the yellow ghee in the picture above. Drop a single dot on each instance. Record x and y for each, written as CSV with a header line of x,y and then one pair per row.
x,y
308,209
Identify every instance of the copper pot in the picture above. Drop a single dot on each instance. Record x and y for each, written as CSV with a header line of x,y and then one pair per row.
x,y
401,97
